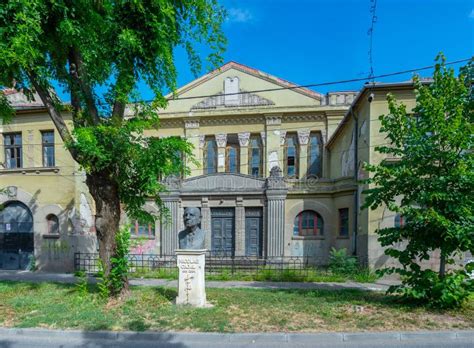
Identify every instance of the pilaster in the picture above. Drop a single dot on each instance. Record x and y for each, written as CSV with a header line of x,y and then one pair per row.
x,y
273,150
276,195
206,221
239,227
191,131
303,140
170,223
244,152
221,140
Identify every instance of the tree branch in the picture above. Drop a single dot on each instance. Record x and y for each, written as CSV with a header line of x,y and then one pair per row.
x,y
52,111
78,78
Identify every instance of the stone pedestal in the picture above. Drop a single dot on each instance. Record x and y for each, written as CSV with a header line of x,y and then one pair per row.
x,y
191,283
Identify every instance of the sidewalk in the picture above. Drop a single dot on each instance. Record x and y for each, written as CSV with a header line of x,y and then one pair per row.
x,y
73,338
27,276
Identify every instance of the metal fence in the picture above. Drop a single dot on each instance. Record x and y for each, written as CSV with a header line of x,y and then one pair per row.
x,y
220,265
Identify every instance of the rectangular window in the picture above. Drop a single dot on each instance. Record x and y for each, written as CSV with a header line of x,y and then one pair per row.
x,y
13,150
47,140
344,222
232,154
255,156
291,156
139,229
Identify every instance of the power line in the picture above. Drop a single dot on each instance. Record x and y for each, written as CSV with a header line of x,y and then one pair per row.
x,y
368,78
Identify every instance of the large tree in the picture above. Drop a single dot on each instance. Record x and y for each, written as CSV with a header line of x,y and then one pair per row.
x,y
99,51
434,178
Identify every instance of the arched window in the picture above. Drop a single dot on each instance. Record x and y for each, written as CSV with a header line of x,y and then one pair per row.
x,y
308,223
52,224
232,154
255,156
291,156
142,229
210,155
314,155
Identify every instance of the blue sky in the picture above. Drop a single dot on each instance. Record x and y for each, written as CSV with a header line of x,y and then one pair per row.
x,y
312,41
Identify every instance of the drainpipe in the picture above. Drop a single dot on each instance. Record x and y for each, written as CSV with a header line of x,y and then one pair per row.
x,y
356,193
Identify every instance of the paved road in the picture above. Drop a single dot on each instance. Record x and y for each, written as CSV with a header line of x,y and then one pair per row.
x,y
380,285
27,338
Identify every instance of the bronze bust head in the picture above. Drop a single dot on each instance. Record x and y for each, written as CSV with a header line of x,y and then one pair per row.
x,y
192,237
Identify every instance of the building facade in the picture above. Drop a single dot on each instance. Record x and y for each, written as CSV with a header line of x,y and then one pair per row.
x,y
275,174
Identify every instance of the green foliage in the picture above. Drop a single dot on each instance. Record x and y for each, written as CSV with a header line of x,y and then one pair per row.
x,y
118,276
340,262
433,176
103,283
81,284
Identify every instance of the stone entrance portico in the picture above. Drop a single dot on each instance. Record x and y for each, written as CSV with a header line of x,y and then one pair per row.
x,y
260,198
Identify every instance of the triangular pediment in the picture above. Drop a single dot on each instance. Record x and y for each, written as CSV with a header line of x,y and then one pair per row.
x,y
238,86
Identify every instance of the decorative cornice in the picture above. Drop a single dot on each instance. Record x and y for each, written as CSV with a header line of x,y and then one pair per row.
x,y
305,118
273,120
191,124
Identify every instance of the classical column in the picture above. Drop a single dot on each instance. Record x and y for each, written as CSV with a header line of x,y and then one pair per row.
x,y
244,152
191,129
239,227
273,151
276,192
303,139
170,225
221,140
206,222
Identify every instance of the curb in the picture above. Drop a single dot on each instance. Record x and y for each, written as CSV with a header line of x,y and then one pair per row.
x,y
213,337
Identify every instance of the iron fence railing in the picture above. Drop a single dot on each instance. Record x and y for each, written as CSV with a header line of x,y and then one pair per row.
x,y
215,264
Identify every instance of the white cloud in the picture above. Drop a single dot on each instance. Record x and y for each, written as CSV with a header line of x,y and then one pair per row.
x,y
239,15
471,15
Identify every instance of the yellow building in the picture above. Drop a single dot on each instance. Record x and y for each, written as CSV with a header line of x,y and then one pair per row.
x,y
277,176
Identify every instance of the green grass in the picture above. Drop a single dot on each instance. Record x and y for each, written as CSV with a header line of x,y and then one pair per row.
x,y
306,275
62,306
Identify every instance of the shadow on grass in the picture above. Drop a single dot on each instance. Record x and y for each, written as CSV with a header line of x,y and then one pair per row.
x,y
168,293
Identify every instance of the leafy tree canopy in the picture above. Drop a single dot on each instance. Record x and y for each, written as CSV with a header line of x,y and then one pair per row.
x,y
434,177
99,51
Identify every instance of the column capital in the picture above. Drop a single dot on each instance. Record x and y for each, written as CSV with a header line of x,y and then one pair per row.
x,y
303,136
244,139
221,139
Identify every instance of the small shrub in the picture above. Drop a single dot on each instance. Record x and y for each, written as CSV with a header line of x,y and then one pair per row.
x,y
103,284
341,263
81,284
427,287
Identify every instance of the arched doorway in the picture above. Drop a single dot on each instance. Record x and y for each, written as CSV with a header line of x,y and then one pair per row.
x,y
16,236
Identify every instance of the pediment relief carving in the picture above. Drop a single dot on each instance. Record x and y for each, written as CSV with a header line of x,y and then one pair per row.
x,y
240,100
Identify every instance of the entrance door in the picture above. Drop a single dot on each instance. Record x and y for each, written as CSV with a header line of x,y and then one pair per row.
x,y
223,231
253,231
16,236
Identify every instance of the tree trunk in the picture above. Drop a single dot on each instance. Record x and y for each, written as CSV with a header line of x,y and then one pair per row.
x,y
442,265
107,219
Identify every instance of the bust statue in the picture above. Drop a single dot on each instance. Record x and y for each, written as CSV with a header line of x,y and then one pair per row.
x,y
192,237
